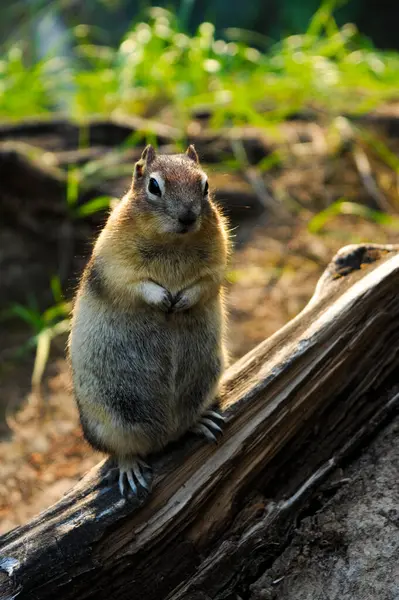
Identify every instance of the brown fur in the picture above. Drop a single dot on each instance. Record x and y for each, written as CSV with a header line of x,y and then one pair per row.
x,y
147,340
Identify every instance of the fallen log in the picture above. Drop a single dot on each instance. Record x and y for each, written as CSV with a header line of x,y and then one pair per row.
x,y
59,133
56,132
297,406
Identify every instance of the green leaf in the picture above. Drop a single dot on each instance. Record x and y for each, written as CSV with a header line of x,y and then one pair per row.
x,y
31,317
41,358
381,149
273,159
43,349
92,206
343,207
55,284
57,311
72,190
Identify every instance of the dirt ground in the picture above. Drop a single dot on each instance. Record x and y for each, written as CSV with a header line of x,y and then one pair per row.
x,y
349,549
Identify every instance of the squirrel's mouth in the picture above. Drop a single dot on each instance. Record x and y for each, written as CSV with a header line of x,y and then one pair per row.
x,y
184,228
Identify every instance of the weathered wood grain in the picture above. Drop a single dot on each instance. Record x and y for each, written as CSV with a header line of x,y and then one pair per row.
x,y
297,405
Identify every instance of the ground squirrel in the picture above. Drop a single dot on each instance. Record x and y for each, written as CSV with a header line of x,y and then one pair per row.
x,y
147,340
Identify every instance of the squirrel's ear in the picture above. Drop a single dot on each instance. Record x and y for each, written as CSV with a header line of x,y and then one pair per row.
x,y
146,158
148,154
192,153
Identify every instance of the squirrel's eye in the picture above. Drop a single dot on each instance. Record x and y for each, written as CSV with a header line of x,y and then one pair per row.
x,y
153,187
206,188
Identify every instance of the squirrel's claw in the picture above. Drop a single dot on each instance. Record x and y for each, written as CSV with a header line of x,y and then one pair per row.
x,y
213,414
134,473
133,486
137,470
207,425
203,430
211,424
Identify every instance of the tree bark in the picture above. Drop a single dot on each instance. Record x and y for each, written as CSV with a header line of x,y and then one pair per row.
x,y
296,406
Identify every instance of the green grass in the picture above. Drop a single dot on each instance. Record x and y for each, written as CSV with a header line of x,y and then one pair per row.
x,y
80,211
329,69
44,325
343,207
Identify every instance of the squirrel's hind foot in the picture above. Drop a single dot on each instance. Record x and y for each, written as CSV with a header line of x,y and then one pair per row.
x,y
137,474
209,425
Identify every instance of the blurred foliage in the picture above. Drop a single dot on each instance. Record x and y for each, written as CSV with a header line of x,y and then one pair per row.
x,y
272,19
80,211
327,68
45,326
343,207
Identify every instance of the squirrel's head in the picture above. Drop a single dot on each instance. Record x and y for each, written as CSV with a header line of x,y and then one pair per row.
x,y
171,190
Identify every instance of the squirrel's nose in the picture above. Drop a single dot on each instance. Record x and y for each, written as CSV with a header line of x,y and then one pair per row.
x,y
187,218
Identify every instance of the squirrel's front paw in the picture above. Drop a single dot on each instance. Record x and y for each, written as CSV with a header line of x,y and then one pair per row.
x,y
181,302
186,298
157,295
166,302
